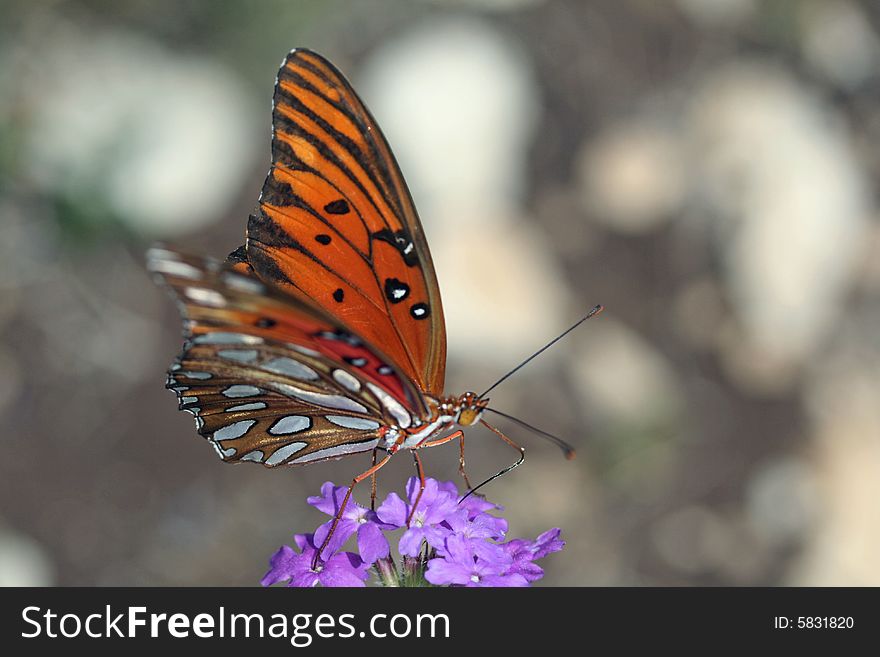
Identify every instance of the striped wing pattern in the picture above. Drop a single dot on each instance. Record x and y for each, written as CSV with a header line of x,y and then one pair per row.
x,y
336,224
271,379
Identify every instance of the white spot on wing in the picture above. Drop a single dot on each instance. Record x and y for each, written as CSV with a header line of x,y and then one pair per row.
x,y
234,430
256,456
352,422
255,406
223,453
241,391
346,380
195,375
238,355
205,296
304,350
292,368
221,337
283,453
176,268
338,450
156,254
243,284
337,402
290,424
392,406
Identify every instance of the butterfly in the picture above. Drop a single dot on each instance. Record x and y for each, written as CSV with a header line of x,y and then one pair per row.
x,y
323,336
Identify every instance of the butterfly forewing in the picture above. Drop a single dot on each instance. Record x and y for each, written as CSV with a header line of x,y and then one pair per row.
x,y
337,226
270,378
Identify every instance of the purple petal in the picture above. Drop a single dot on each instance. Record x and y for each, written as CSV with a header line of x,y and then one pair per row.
x,y
502,580
460,550
441,571
345,569
329,500
436,535
282,566
411,542
344,529
305,580
547,543
304,541
491,556
372,543
393,511
531,571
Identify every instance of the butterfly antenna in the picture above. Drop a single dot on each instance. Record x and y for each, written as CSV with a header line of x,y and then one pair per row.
x,y
492,478
566,448
522,457
595,311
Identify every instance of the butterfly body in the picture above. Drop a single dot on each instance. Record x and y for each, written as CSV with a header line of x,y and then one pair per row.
x,y
463,411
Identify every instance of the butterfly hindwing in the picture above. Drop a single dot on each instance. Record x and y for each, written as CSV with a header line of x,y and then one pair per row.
x,y
271,379
337,226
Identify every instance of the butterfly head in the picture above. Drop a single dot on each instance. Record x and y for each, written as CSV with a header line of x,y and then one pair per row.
x,y
469,409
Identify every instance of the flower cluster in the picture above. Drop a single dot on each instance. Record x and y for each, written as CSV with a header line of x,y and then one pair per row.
x,y
445,541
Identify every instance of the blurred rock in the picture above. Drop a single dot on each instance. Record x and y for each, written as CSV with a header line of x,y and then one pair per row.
x,y
782,500
164,141
23,561
842,400
457,102
693,540
622,375
698,313
790,206
503,295
839,42
632,176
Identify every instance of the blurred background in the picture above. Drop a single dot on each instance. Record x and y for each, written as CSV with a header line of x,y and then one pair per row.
x,y
707,169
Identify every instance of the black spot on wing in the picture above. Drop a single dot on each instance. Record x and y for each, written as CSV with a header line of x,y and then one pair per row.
x,y
400,241
323,239
339,206
396,290
420,311
339,295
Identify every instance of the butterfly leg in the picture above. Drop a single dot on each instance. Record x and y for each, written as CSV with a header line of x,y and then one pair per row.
x,y
440,441
421,471
461,469
373,482
354,482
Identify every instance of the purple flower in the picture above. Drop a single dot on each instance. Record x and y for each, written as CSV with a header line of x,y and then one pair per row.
x,y
287,565
434,507
475,503
371,542
524,553
468,562
463,539
477,526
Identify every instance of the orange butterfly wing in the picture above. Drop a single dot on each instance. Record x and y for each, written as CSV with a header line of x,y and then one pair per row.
x,y
337,226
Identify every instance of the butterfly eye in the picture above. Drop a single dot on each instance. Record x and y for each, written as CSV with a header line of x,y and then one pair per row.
x,y
468,416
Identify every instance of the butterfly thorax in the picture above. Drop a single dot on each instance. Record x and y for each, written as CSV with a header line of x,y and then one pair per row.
x,y
446,412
